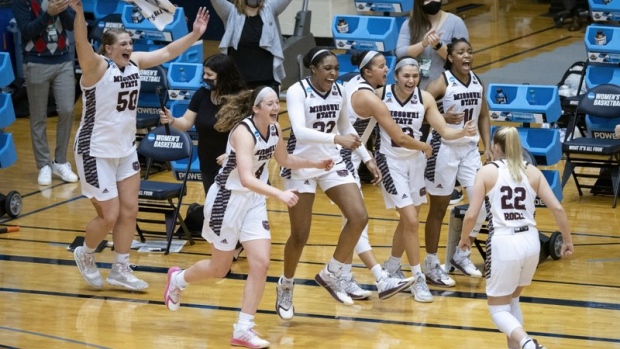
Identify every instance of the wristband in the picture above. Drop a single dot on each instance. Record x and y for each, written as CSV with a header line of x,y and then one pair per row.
x,y
438,46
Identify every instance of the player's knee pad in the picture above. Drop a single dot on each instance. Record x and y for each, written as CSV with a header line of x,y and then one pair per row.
x,y
503,319
363,244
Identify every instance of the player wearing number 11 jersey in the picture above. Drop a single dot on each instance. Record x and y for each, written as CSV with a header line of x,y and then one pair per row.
x,y
462,95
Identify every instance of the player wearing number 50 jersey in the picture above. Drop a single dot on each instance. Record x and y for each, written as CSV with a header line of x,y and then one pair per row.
x,y
510,186
104,149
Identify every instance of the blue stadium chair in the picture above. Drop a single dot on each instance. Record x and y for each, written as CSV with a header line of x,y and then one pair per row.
x,y
602,101
164,144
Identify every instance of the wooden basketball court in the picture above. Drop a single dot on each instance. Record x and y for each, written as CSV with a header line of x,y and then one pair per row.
x,y
45,303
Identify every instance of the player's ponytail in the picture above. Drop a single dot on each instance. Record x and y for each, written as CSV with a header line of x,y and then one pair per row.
x,y
507,138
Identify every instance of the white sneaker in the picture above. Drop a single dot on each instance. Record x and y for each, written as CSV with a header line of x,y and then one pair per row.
x,y
420,290
436,275
284,300
389,286
172,292
460,260
354,290
45,175
398,273
247,338
87,266
64,172
334,285
122,275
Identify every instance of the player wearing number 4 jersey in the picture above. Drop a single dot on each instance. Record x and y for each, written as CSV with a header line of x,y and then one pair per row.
x,y
460,93
105,151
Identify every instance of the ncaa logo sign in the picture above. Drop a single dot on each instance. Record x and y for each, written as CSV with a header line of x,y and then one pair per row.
x,y
388,95
151,137
591,95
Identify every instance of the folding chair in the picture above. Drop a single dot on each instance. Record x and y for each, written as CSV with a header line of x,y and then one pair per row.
x,y
153,87
602,101
164,143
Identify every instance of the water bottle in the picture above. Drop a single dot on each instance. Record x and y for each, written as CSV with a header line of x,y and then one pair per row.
x,y
136,15
600,38
343,26
531,97
500,97
182,75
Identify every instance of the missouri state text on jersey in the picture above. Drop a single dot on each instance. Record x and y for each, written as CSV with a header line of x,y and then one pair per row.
x,y
128,81
265,154
325,111
404,117
468,98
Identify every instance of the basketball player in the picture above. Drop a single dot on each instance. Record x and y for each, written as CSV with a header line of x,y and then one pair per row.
x,y
315,105
105,150
235,207
461,95
511,186
402,169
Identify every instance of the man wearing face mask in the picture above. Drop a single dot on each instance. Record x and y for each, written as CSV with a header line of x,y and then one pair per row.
x,y
252,39
424,36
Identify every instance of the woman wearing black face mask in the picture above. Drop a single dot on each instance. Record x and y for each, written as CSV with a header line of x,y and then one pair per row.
x,y
252,39
223,78
425,35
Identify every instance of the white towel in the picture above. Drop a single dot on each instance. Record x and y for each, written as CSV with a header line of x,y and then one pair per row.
x,y
158,12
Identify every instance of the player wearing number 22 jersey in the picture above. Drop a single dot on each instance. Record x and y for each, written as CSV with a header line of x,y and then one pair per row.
x,y
322,113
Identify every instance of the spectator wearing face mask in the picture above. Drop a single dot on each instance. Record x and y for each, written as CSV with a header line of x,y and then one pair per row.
x,y
252,39
425,36
223,78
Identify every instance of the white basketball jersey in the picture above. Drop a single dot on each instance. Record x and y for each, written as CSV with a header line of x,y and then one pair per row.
x,y
511,202
264,148
407,114
321,114
466,98
359,124
108,125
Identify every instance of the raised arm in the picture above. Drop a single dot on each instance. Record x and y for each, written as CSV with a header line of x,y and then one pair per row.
x,y
92,64
146,60
279,5
223,8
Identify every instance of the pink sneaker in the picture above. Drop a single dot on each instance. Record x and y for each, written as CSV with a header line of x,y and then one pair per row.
x,y
172,293
247,338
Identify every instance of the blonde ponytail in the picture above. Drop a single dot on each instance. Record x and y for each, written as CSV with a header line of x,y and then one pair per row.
x,y
507,138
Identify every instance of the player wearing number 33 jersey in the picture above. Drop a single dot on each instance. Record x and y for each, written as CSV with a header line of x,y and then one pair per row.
x,y
108,125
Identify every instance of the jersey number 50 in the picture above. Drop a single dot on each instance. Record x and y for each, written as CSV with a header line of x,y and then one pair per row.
x,y
127,100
